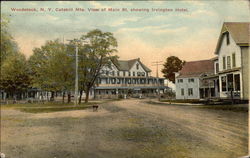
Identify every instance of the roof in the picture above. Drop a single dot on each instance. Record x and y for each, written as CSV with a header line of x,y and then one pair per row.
x,y
196,68
215,58
126,65
239,32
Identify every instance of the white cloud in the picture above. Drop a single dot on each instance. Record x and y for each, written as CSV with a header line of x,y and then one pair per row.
x,y
98,5
122,21
170,31
196,3
51,17
200,13
160,29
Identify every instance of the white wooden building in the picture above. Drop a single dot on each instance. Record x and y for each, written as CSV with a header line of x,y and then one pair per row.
x,y
233,58
127,78
188,81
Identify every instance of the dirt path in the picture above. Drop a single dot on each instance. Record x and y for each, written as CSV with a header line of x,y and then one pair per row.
x,y
125,129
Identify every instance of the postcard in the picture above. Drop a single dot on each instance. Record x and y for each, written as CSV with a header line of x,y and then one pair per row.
x,y
124,79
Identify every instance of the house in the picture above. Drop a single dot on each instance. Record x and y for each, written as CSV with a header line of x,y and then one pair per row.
x,y
127,78
189,80
233,58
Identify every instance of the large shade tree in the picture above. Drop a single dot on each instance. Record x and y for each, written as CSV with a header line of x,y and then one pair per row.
x,y
52,68
8,45
172,64
98,51
15,77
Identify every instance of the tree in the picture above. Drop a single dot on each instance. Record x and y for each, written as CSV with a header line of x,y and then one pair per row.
x,y
173,64
8,45
15,77
52,68
96,52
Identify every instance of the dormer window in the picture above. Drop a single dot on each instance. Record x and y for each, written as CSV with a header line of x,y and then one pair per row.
x,y
228,40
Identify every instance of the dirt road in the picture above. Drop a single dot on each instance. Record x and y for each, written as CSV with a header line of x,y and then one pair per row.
x,y
126,129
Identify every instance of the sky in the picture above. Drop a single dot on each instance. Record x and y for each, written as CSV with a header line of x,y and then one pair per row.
x,y
149,35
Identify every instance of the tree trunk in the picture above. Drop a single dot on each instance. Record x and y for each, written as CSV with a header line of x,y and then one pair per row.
x,y
47,95
63,96
52,96
80,98
69,97
87,95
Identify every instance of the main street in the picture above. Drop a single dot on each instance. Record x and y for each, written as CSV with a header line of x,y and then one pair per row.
x,y
126,129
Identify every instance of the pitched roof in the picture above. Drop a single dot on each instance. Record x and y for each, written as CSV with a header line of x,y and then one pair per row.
x,y
126,65
239,32
196,68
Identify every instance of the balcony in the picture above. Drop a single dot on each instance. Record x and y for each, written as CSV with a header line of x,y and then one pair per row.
x,y
129,85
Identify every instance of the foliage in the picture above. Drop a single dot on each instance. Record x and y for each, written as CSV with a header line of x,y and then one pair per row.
x,y
96,53
8,45
173,64
52,67
15,77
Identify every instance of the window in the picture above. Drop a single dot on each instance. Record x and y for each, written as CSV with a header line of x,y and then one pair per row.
x,y
107,73
113,81
118,73
216,68
124,73
237,82
143,73
138,73
133,73
137,66
129,73
230,86
224,83
190,80
224,63
129,81
190,91
182,91
228,40
118,81
180,80
143,81
133,81
233,58
228,62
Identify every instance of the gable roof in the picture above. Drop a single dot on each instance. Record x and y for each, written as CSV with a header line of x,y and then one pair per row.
x,y
126,65
239,32
196,68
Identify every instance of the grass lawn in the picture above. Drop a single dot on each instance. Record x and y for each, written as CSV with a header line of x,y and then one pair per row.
x,y
226,107
47,107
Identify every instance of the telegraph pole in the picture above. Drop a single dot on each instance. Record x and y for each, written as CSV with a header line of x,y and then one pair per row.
x,y
76,74
157,63
76,78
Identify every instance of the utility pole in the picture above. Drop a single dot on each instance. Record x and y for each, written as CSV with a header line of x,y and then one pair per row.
x,y
157,63
76,78
76,74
